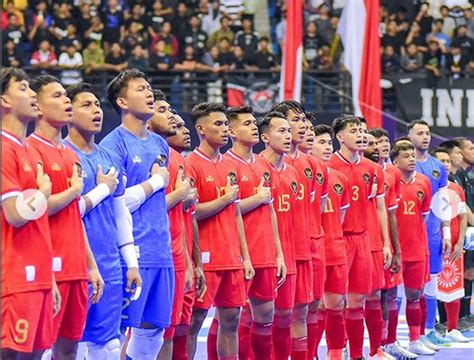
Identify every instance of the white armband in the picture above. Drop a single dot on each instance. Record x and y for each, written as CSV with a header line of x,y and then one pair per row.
x,y
97,194
82,206
156,182
125,240
134,197
446,232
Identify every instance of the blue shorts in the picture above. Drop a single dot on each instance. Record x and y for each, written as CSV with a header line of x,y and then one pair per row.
x,y
155,304
103,318
436,249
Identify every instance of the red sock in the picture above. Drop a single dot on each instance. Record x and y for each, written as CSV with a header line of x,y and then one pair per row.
x,y
180,350
392,321
413,314
355,331
423,314
244,333
384,332
261,340
299,348
281,337
373,321
335,329
315,323
212,341
452,313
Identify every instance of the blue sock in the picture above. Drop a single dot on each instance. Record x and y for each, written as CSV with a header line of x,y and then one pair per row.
x,y
128,357
431,308
399,303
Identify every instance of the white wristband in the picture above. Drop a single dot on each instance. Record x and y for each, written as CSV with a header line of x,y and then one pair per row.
x,y
156,181
446,232
129,255
97,194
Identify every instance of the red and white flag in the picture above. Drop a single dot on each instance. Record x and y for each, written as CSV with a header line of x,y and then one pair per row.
x,y
359,32
292,65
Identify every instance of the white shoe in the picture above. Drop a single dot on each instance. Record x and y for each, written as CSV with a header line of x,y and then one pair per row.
x,y
398,352
456,336
429,344
419,348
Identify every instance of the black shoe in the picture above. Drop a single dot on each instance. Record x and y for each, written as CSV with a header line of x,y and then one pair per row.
x,y
464,325
441,328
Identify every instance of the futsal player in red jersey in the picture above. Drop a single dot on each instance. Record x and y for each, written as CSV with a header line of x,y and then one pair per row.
x,y
261,228
412,213
347,160
221,232
275,132
330,314
295,115
73,261
28,287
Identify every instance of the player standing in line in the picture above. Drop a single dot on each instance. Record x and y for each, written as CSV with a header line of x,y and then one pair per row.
x,y
360,174
258,214
275,132
181,142
412,213
73,261
393,276
295,116
458,232
163,123
221,232
335,286
143,157
28,287
102,186
316,318
439,237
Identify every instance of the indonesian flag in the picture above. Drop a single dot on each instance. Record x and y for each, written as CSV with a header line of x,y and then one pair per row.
x,y
292,66
359,32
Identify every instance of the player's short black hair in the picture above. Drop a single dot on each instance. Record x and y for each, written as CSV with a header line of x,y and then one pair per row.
x,y
449,145
438,150
362,119
9,75
323,129
159,95
264,122
399,146
284,107
119,84
234,112
461,140
341,122
205,108
378,133
311,116
76,89
41,81
412,123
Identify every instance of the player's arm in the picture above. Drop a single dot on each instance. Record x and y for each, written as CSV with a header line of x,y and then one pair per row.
x,y
446,234
262,196
470,216
59,201
197,258
280,259
249,272
180,192
382,215
458,248
106,185
94,275
210,208
396,260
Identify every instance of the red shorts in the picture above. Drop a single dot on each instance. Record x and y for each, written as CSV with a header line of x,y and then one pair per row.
x,y
359,263
69,322
286,293
392,279
27,321
414,274
377,271
263,285
336,279
188,302
304,282
225,288
318,253
179,285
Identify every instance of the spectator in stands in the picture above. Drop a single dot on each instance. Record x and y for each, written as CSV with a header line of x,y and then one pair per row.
x,y
134,36
323,23
180,21
156,18
189,61
247,38
211,59
233,9
239,61
432,62
95,31
438,33
448,22
469,71
210,16
390,61
71,38
456,61
171,42
312,42
38,14
424,19
84,20
263,59
159,59
415,37
93,57
469,16
250,8
62,19
137,14
138,60
195,37
324,59
44,57
40,31
465,42
116,60
393,38
114,27
413,60
70,61
225,54
9,10
12,56
224,31
281,32
14,31
403,24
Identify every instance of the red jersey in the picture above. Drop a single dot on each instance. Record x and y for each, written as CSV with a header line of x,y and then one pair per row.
x,y
257,222
338,200
284,191
461,209
176,213
373,226
67,232
320,171
394,172
392,183
302,209
26,251
415,201
360,175
218,234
